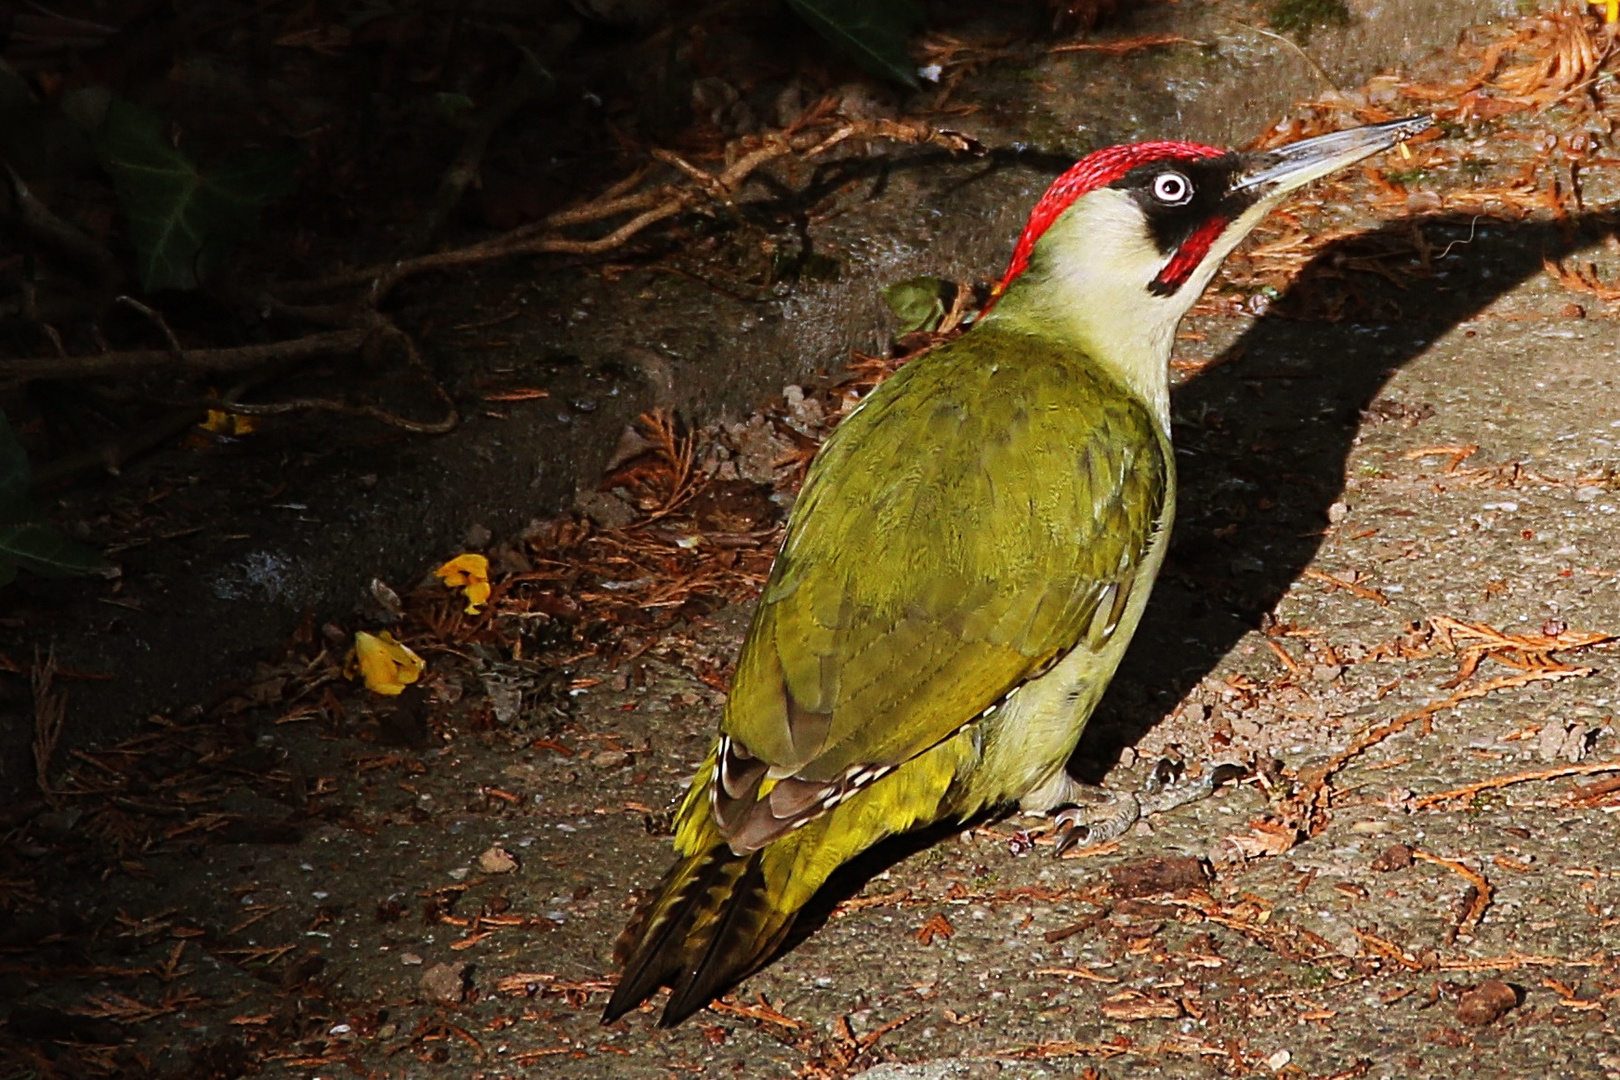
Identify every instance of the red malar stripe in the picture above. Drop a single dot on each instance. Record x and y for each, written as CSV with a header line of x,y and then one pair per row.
x,y
1188,256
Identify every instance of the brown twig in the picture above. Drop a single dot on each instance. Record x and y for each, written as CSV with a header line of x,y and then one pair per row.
x,y
1313,796
1348,586
413,359
1287,661
202,361
109,457
50,710
1388,949
1481,889
666,201
1470,790
1128,45
157,320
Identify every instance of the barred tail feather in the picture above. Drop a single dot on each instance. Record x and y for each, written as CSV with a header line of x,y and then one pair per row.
x,y
710,924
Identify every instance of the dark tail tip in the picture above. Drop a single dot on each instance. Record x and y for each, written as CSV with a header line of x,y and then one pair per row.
x,y
710,925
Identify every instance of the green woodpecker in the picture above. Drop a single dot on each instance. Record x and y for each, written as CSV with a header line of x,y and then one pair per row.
x,y
967,561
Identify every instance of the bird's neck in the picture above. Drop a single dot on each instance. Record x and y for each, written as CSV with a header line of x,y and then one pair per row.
x,y
1102,306
1136,353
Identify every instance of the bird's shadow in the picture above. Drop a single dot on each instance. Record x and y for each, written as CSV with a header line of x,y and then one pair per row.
x,y
1263,437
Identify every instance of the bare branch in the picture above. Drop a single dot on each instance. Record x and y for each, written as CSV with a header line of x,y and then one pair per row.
x,y
241,358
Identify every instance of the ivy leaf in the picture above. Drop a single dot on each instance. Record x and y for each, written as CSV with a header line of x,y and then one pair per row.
x,y
26,542
184,221
920,303
39,548
16,478
872,33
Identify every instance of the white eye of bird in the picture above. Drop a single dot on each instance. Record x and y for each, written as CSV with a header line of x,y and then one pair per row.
x,y
1172,188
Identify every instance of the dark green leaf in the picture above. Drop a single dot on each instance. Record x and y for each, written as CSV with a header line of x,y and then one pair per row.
x,y
37,547
872,33
25,541
184,221
16,478
919,303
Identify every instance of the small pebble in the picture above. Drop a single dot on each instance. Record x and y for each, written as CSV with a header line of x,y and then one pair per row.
x,y
1487,1003
497,860
444,982
1394,857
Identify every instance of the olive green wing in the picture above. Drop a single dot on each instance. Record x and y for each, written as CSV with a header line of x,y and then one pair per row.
x,y
982,513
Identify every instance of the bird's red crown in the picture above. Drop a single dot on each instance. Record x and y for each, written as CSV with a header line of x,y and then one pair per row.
x,y
1095,170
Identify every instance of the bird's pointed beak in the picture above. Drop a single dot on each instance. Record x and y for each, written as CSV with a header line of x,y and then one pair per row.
x,y
1269,174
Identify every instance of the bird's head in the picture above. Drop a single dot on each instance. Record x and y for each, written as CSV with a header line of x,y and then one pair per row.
x,y
1121,245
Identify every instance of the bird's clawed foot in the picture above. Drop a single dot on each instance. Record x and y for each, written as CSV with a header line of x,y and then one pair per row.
x,y
1113,813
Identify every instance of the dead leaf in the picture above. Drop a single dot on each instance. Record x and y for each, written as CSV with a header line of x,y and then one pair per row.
x,y
1265,838
220,422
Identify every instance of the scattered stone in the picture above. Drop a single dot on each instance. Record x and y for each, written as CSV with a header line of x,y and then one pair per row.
x,y
59,823
1152,877
789,105
805,414
1337,512
1559,741
631,445
460,873
410,959
444,982
508,559
1487,1003
606,509
505,699
497,860
611,759
1394,857
382,604
759,448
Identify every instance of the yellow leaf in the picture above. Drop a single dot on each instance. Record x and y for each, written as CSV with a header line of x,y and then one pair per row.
x,y
470,573
221,422
387,665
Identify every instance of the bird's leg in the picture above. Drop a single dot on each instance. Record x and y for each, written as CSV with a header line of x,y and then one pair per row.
x,y
1110,814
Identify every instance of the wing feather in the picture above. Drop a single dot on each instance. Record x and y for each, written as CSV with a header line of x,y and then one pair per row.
x,y
932,567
